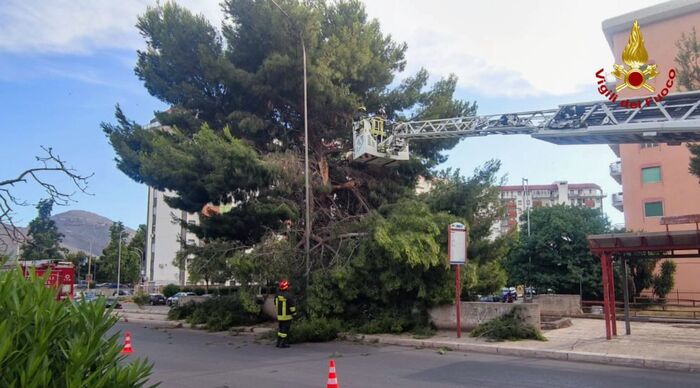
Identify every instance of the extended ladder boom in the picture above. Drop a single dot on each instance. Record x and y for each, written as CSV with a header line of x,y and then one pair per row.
x,y
673,120
506,124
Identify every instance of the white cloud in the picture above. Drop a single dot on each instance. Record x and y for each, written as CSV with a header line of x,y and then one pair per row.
x,y
79,26
497,47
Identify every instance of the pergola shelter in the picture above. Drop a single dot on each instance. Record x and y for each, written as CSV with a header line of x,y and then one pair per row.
x,y
667,244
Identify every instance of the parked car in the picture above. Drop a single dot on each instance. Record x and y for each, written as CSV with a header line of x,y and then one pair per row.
x,y
156,299
172,301
530,292
122,293
508,295
113,302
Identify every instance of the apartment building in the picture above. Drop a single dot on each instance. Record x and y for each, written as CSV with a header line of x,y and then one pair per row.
x,y
517,199
166,237
654,177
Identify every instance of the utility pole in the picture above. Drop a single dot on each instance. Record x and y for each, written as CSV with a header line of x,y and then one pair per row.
x,y
307,215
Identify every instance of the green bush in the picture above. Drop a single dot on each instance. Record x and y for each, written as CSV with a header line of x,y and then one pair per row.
x,y
46,343
141,298
314,330
170,290
387,323
508,327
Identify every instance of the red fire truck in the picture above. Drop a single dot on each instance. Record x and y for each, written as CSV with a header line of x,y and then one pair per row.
x,y
61,276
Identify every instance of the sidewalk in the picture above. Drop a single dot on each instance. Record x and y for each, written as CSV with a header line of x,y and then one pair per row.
x,y
651,345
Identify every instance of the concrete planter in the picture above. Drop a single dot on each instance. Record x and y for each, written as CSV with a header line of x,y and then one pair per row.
x,y
559,305
476,313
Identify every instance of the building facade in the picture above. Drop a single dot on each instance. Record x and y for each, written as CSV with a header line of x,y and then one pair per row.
x,y
166,237
517,199
654,177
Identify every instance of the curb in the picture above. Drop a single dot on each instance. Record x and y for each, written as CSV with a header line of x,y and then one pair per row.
x,y
152,323
561,355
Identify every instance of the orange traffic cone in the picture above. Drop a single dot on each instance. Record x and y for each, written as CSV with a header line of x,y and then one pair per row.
x,y
332,378
127,344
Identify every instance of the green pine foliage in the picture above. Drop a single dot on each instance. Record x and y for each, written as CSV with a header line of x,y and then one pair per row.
x,y
46,343
220,312
234,133
508,327
235,126
44,239
476,199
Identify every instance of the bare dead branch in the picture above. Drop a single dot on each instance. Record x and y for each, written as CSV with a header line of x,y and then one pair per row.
x,y
50,164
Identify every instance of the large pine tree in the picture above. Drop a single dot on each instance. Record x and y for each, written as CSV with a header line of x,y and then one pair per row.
x,y
43,237
235,126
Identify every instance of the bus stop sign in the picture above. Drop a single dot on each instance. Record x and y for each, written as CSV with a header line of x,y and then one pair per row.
x,y
457,243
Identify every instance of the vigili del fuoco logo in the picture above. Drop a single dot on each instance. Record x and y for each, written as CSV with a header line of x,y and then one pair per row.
x,y
634,74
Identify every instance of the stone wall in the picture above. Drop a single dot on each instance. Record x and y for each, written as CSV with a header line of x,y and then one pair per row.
x,y
559,304
475,313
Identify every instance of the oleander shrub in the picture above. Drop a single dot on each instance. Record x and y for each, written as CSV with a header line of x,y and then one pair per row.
x,y
56,344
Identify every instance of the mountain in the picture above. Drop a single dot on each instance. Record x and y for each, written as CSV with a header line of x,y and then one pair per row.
x,y
82,231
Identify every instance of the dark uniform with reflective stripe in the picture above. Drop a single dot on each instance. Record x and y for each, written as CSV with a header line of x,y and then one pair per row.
x,y
285,312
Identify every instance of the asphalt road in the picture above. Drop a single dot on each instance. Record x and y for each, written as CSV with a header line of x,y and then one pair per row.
x,y
188,358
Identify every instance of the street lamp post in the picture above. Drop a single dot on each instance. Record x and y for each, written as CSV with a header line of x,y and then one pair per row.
x,y
307,216
526,202
119,261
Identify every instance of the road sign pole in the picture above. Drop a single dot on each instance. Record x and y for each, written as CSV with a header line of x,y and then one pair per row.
x,y
457,255
458,302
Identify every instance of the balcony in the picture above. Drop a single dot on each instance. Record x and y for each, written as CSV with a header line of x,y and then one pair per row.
x,y
617,201
616,171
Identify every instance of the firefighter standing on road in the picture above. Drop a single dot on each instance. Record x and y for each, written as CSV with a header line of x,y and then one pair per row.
x,y
285,312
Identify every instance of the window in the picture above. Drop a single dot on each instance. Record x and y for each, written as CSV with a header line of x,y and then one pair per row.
x,y
649,145
653,209
651,174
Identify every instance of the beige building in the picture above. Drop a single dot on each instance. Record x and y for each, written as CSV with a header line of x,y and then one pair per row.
x,y
517,199
654,177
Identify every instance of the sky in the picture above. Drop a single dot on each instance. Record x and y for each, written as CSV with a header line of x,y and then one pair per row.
x,y
65,64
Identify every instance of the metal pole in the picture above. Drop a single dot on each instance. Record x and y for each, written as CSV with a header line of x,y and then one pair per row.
x,y
626,295
458,301
307,216
526,195
89,273
119,263
606,295
611,289
307,221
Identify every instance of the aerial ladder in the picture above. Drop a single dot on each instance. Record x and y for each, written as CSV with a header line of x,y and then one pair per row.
x,y
673,120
